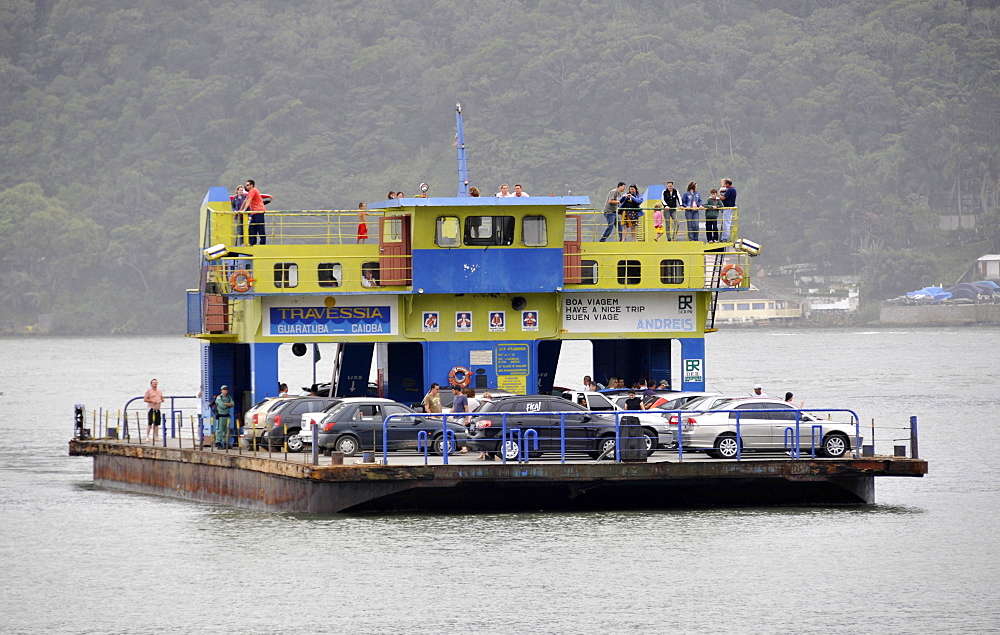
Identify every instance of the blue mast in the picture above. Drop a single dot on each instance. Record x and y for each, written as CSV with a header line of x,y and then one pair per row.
x,y
463,170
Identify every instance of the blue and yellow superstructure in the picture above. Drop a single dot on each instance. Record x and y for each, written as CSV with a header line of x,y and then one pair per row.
x,y
482,291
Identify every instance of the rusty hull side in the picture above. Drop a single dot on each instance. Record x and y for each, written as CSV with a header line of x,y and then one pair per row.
x,y
277,485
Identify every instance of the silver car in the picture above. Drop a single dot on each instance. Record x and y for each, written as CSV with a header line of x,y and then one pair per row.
x,y
764,425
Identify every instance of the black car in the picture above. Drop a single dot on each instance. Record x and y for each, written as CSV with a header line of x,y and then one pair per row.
x,y
355,424
587,432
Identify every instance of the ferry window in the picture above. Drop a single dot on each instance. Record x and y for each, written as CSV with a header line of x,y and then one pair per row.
x,y
758,305
672,271
770,305
369,274
780,304
534,231
572,225
329,273
629,272
588,272
489,230
728,306
286,274
446,233
743,306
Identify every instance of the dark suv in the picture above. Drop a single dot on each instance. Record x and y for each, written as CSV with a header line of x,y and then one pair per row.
x,y
588,432
288,415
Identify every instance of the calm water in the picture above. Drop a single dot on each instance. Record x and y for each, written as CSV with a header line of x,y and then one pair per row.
x,y
77,559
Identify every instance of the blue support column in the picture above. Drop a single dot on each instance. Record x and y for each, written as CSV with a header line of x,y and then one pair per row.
x,y
692,363
264,376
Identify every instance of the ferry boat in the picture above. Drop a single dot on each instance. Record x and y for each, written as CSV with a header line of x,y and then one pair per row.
x,y
457,290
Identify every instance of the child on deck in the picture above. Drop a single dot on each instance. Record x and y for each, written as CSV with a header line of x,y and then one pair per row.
x,y
658,221
362,225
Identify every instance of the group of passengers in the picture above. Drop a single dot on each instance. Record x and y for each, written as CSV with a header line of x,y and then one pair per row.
x,y
622,210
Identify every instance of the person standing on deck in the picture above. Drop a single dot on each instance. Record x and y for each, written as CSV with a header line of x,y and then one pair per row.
x,y
237,204
432,400
728,193
611,211
153,399
671,201
691,202
223,407
518,191
255,203
362,225
758,391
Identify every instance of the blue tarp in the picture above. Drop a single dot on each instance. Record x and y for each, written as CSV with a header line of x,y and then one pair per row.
x,y
935,293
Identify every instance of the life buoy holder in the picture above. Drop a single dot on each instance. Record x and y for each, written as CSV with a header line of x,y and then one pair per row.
x,y
732,275
241,281
460,371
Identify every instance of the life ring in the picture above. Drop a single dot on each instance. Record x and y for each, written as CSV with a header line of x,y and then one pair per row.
x,y
732,275
241,281
465,373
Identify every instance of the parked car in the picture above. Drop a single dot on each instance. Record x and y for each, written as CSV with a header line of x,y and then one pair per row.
x,y
714,431
587,432
599,402
284,421
355,423
253,421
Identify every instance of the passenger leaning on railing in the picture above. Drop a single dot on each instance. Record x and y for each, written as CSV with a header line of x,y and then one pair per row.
x,y
611,211
255,204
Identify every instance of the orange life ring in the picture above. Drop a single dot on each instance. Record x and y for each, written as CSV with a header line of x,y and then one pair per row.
x,y
241,281
466,374
732,275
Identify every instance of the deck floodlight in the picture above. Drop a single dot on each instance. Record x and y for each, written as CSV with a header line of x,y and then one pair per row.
x,y
747,247
215,252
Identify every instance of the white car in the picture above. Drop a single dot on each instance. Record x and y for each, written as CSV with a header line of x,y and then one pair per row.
x,y
767,425
599,402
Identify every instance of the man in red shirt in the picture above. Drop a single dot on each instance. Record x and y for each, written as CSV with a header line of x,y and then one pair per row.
x,y
255,203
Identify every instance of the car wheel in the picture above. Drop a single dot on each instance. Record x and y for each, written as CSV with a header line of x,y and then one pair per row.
x,y
726,446
605,448
836,445
295,443
648,436
348,445
512,450
437,445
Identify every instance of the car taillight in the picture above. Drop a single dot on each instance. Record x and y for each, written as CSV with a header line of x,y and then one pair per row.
x,y
688,421
254,422
329,426
277,420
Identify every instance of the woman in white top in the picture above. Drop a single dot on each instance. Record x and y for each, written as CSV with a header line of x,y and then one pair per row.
x,y
504,191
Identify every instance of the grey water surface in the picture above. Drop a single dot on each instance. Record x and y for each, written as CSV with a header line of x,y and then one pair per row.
x,y
79,559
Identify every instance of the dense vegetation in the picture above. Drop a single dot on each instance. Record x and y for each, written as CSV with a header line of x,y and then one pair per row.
x,y
847,126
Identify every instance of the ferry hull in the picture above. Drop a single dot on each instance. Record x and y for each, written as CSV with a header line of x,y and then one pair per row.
x,y
274,485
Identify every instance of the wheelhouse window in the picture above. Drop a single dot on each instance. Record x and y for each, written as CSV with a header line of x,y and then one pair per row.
x,y
446,233
489,230
672,271
629,272
286,275
535,231
329,274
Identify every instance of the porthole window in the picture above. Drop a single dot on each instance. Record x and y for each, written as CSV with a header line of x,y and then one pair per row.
x,y
446,232
534,231
672,271
286,275
329,274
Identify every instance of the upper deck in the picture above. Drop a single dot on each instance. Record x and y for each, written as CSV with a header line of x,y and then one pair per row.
x,y
463,245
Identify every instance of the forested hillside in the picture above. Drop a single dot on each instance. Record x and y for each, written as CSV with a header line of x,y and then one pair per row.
x,y
848,127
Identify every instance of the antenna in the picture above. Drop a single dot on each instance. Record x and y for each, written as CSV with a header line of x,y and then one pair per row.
x,y
463,170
